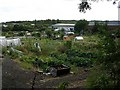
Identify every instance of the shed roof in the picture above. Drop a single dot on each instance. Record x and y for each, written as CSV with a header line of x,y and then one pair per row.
x,y
79,38
62,24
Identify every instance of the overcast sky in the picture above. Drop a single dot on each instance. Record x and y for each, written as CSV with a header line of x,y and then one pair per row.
x,y
14,10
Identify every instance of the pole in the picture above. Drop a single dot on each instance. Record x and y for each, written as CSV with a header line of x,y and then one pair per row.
x,y
33,82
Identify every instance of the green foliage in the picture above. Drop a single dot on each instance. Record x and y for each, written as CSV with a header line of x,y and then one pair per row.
x,y
57,52
74,56
62,57
99,27
6,29
81,26
80,62
49,33
68,44
36,34
19,28
63,85
108,63
48,46
21,33
62,49
11,53
27,59
9,34
3,50
95,28
98,78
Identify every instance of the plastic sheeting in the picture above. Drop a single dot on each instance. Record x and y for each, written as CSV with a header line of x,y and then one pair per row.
x,y
79,38
9,42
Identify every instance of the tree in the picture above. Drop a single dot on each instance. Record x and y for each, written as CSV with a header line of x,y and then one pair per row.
x,y
19,28
6,29
85,5
99,27
81,26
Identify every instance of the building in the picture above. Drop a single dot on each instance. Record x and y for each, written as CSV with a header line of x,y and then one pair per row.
x,y
112,25
109,23
66,27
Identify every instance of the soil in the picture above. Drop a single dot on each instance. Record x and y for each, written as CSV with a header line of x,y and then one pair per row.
x,y
13,76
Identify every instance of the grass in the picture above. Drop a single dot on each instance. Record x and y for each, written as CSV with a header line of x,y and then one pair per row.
x,y
26,65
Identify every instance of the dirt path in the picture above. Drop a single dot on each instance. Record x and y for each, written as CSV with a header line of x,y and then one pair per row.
x,y
15,77
73,80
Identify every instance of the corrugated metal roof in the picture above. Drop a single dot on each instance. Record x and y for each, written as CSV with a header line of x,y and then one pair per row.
x,y
62,24
109,23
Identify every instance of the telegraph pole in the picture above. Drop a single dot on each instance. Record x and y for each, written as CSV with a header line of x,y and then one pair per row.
x,y
35,23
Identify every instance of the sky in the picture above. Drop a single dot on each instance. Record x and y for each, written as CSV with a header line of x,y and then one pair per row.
x,y
15,10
